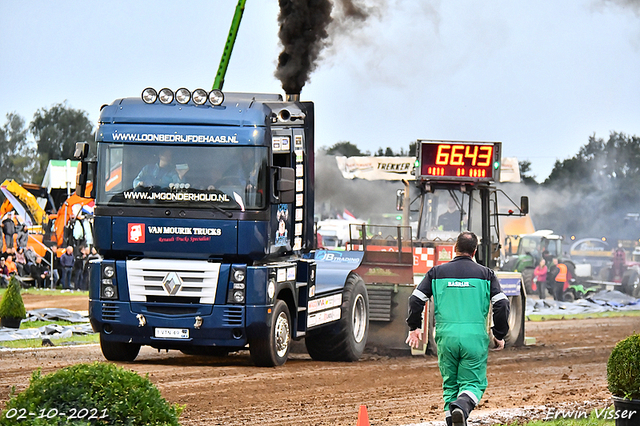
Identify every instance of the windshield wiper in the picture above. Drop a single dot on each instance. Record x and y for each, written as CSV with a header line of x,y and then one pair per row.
x,y
223,211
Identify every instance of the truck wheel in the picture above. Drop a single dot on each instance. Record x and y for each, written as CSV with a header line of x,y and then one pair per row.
x,y
119,351
515,336
345,339
273,349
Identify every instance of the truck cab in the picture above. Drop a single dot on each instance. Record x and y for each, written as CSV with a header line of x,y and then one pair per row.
x,y
204,220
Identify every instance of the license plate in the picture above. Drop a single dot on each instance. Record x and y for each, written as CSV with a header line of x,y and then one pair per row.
x,y
172,333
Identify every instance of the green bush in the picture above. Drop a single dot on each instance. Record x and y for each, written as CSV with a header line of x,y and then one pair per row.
x,y
90,394
623,368
12,305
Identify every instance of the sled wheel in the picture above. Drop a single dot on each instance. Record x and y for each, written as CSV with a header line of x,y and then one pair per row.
x,y
515,336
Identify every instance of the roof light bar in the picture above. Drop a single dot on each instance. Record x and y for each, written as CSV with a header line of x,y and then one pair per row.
x,y
183,96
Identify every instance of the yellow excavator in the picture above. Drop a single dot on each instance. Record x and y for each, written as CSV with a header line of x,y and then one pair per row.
x,y
44,229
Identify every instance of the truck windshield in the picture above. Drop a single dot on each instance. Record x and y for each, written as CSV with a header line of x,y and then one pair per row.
x,y
445,215
182,176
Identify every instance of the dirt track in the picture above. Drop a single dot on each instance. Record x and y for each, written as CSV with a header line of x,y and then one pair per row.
x,y
568,364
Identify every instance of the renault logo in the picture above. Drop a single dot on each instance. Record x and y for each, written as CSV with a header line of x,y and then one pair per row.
x,y
172,283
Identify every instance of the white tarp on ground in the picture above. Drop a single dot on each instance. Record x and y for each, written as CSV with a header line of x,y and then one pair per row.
x,y
52,330
603,301
56,314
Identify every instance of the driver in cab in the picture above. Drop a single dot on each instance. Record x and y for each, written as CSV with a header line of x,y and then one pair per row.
x,y
153,174
450,220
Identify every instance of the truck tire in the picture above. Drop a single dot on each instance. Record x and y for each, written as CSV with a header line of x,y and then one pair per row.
x,y
515,336
345,339
273,349
119,351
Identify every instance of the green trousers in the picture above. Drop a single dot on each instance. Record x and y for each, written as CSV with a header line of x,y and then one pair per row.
x,y
463,364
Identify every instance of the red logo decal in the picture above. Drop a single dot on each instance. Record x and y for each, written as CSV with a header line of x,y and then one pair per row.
x,y
136,233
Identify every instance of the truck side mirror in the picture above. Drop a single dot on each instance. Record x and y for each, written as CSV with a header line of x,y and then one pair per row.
x,y
82,151
524,204
285,185
85,166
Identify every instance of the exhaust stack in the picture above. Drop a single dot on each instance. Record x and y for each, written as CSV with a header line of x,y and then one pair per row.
x,y
292,97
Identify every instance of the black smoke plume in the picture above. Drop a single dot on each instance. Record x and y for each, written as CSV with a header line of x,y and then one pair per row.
x,y
305,30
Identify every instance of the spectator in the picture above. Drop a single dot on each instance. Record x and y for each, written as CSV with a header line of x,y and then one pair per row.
x,y
30,255
40,272
561,278
78,267
8,229
11,265
66,261
22,238
78,231
57,268
4,273
540,278
21,262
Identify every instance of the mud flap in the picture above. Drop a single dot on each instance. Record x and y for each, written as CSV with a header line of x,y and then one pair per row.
x,y
388,329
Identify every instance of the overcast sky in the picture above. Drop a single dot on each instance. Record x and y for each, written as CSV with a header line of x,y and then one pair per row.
x,y
540,76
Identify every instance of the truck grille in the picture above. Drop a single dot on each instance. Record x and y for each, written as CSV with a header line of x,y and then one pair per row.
x,y
110,312
233,316
172,281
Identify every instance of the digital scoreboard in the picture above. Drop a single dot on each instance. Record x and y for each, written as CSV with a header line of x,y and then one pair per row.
x,y
459,161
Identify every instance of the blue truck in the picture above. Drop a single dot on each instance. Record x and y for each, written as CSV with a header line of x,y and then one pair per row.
x,y
204,210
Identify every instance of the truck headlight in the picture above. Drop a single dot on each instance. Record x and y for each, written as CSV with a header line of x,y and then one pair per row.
x,y
108,271
109,291
199,96
183,95
216,97
149,95
165,96
238,296
237,285
238,275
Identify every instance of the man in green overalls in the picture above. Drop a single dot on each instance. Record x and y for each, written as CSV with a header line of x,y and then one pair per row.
x,y
462,293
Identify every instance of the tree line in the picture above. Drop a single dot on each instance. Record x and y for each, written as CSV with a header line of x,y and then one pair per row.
x,y
597,191
51,135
